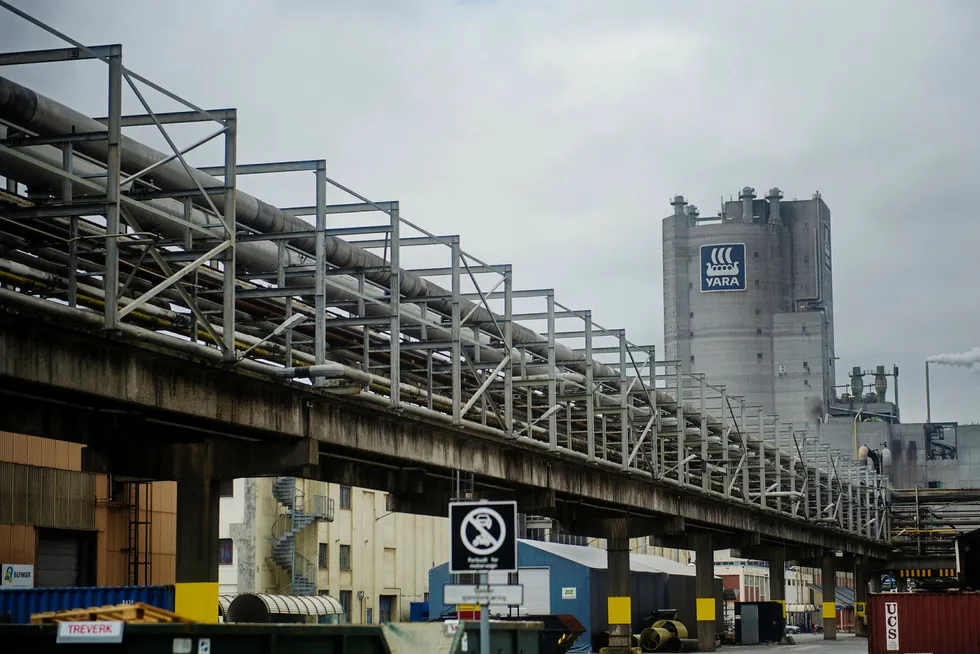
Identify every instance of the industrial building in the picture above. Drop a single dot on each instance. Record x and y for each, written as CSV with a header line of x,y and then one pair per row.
x,y
748,300
293,536
572,579
77,528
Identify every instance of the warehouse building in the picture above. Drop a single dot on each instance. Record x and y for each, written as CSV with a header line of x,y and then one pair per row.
x,y
560,579
67,527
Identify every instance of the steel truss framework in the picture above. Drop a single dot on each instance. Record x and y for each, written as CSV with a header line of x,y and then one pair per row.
x,y
179,254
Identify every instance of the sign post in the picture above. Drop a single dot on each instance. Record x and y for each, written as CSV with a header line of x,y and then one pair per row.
x,y
483,539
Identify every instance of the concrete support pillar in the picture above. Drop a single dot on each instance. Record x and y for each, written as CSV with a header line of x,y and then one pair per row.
x,y
198,501
620,613
861,596
704,568
777,580
830,597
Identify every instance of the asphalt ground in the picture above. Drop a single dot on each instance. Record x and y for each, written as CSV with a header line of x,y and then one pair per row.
x,y
810,643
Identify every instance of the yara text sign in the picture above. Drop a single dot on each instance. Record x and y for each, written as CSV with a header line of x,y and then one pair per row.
x,y
723,267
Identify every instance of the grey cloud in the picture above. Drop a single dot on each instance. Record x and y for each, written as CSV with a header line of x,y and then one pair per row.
x,y
551,134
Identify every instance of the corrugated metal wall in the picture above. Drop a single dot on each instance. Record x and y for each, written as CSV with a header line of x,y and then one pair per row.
x,y
77,505
34,451
46,497
17,544
940,623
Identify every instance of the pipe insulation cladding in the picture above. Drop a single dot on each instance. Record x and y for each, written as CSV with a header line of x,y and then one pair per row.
x,y
39,165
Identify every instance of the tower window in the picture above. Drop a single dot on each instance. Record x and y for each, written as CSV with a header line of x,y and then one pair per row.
x,y
692,334
755,255
806,366
692,358
692,314
690,284
758,356
758,312
758,331
804,329
806,258
757,283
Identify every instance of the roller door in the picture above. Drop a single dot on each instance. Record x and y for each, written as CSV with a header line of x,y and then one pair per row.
x,y
64,558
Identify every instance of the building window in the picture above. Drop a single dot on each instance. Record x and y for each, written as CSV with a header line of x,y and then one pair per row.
x,y
758,312
321,556
345,599
345,557
345,497
389,502
691,334
935,484
804,329
757,284
692,358
758,356
692,314
758,331
755,255
226,551
690,284
323,593
227,488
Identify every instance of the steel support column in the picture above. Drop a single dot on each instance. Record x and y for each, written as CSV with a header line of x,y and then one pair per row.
x,y
619,608
704,568
861,595
113,192
198,503
829,608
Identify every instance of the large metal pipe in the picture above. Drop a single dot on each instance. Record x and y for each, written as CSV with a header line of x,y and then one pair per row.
x,y
26,108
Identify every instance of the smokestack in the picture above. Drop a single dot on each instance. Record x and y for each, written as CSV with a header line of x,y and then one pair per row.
x,y
748,194
678,205
774,196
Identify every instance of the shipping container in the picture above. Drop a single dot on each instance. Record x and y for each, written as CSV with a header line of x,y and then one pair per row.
x,y
938,623
18,604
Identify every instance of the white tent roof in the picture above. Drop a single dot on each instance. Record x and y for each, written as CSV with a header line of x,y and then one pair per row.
x,y
593,557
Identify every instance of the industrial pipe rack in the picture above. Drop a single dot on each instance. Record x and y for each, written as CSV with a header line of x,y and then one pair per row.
x,y
101,229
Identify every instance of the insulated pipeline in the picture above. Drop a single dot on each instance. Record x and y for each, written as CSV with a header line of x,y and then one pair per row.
x,y
24,107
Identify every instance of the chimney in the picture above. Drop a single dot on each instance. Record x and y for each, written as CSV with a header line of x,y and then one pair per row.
x,y
774,197
678,205
748,194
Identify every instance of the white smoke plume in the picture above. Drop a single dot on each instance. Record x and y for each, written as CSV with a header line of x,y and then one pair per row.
x,y
968,359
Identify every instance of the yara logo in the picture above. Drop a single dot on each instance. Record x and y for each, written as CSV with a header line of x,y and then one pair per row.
x,y
721,264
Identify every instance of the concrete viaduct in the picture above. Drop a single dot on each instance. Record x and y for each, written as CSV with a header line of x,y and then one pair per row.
x,y
150,413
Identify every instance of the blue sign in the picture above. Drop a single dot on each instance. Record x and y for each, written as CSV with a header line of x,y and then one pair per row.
x,y
723,267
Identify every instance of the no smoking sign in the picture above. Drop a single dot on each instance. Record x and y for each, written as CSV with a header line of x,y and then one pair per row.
x,y
482,537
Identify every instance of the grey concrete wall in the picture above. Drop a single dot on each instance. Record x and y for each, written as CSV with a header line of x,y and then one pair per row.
x,y
798,339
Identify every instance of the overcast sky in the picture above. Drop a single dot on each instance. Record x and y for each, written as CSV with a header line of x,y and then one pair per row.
x,y
551,135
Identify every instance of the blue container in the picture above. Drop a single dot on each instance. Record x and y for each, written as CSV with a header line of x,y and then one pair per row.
x,y
21,603
418,612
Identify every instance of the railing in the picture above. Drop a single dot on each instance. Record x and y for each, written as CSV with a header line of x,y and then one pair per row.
x,y
477,355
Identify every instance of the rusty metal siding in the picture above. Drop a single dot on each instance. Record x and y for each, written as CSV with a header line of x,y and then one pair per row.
x,y
939,623
46,497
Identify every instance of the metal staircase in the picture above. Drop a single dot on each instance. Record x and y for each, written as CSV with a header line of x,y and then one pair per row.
x,y
301,512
